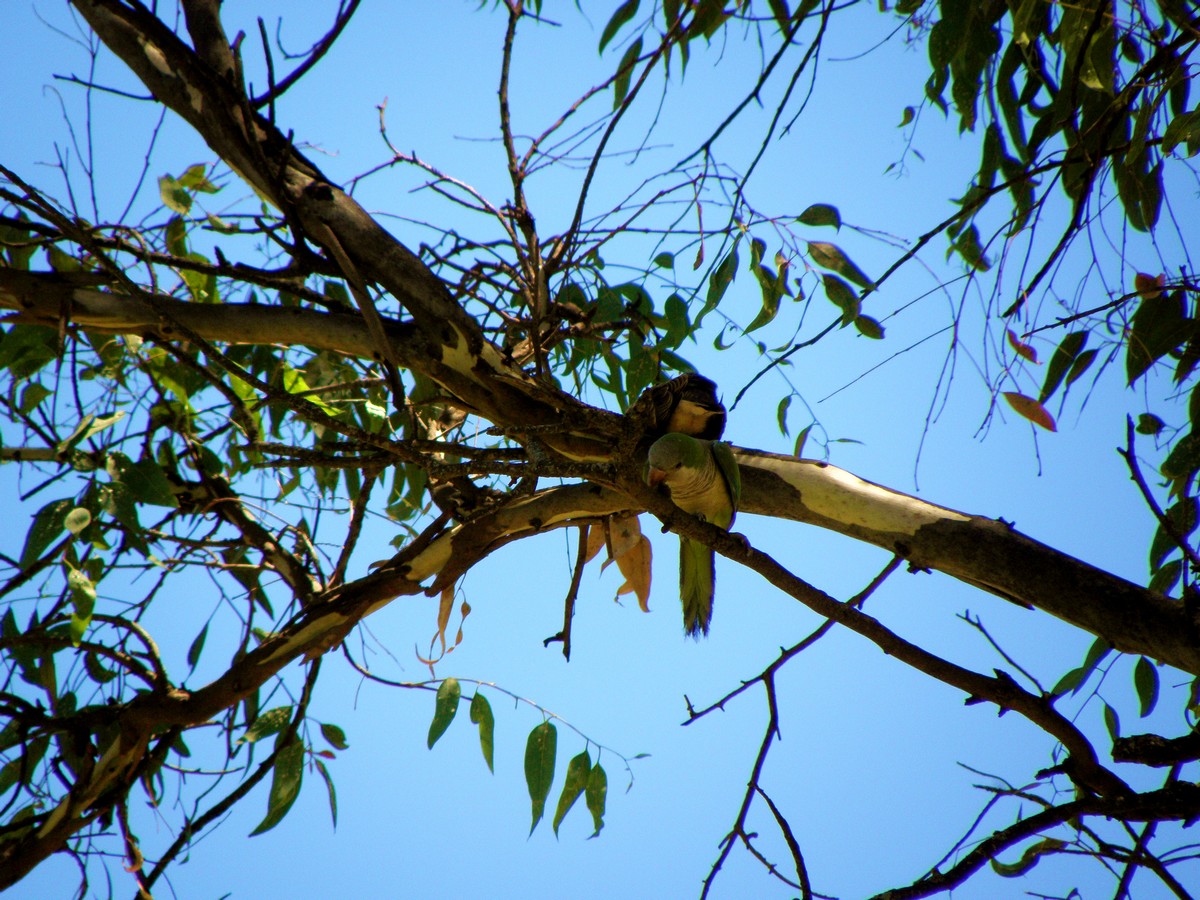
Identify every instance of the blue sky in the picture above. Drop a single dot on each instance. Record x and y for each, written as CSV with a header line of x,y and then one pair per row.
x,y
868,768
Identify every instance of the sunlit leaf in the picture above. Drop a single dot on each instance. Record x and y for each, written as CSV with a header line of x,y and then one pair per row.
x,y
481,715
578,770
596,795
445,706
269,723
540,750
285,785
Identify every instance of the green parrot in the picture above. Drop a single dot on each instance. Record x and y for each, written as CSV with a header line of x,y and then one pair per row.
x,y
703,478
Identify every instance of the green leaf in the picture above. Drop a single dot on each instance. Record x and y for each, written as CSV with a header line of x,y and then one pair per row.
x,y
869,327
1184,128
48,524
83,601
174,196
1167,576
596,795
1060,362
330,789
540,749
32,395
77,519
269,723
1112,722
842,296
146,480
779,9
1148,423
197,647
195,179
285,785
719,282
1028,859
665,260
1159,326
335,736
1145,682
176,236
481,715
781,412
625,73
830,256
578,770
801,439
446,706
624,13
822,214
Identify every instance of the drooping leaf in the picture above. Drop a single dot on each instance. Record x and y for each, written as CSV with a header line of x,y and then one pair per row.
x,y
578,770
624,13
445,706
328,779
48,523
481,715
719,282
288,773
1023,350
842,296
1145,683
1031,410
625,73
1159,326
1060,362
197,646
635,565
596,796
540,750
830,256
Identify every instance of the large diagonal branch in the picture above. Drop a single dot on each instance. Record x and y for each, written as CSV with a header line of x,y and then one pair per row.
x,y
984,552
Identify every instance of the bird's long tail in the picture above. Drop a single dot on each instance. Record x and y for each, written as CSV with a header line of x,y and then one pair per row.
x,y
697,576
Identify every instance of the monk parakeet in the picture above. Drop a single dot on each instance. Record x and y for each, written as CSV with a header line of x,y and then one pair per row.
x,y
687,404
704,479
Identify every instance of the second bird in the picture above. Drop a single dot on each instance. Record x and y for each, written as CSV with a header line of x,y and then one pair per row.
x,y
704,480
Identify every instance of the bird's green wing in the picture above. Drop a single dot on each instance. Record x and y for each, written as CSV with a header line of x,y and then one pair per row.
x,y
728,467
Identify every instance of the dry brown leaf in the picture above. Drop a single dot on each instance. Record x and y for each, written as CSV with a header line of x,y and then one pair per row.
x,y
635,566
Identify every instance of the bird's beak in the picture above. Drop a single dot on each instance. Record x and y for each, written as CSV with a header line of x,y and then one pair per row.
x,y
654,477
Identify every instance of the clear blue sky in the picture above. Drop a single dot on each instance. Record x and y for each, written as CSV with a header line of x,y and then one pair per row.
x,y
867,769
